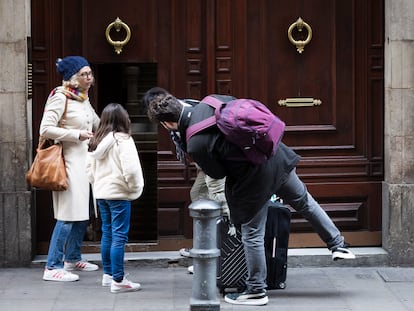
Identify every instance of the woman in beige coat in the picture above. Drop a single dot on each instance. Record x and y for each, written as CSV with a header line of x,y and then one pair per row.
x,y
71,207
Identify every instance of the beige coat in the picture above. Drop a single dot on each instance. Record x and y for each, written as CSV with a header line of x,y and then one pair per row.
x,y
72,204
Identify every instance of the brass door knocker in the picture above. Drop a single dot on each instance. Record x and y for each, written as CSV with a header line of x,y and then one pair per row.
x,y
118,24
300,44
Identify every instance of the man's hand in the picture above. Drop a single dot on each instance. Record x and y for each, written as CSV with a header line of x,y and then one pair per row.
x,y
232,230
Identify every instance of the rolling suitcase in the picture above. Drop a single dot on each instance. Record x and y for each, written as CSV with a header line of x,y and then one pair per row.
x,y
231,266
276,244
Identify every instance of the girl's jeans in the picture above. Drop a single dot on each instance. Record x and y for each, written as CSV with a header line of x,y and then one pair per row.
x,y
66,241
294,193
115,215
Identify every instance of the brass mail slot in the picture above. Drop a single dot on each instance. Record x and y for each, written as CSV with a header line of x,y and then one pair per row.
x,y
300,102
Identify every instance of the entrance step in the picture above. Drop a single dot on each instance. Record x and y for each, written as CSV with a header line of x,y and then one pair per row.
x,y
297,257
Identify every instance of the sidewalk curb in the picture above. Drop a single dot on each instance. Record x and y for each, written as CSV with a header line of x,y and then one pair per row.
x,y
300,257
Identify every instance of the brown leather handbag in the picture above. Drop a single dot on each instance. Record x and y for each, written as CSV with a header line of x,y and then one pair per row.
x,y
48,170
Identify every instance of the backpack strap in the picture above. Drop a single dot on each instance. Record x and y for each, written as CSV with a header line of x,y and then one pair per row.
x,y
199,126
206,123
212,101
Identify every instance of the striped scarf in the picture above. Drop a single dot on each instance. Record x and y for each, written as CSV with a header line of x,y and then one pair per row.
x,y
76,94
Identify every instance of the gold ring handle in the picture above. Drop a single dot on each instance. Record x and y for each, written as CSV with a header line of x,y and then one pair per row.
x,y
118,24
300,44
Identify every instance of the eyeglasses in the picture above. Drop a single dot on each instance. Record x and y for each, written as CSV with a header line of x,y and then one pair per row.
x,y
86,74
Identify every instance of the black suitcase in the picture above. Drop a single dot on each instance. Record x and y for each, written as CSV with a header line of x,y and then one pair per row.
x,y
231,266
276,244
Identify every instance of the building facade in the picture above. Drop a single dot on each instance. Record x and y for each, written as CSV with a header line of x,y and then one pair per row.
x,y
20,221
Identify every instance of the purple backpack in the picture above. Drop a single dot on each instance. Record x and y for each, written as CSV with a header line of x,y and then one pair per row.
x,y
246,123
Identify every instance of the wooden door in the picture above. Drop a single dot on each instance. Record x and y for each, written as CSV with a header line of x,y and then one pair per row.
x,y
237,47
330,94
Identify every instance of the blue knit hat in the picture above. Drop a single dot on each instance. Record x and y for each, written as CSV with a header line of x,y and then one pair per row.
x,y
70,65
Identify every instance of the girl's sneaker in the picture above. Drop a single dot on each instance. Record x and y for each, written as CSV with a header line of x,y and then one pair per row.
x,y
106,280
59,275
124,286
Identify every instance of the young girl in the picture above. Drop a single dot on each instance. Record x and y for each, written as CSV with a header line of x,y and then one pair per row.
x,y
115,172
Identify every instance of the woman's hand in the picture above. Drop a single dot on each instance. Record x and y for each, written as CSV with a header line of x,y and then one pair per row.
x,y
84,135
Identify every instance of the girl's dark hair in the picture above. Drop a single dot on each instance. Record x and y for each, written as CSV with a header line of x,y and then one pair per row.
x,y
161,106
114,118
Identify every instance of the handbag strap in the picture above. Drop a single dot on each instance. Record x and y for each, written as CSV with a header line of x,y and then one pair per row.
x,y
42,139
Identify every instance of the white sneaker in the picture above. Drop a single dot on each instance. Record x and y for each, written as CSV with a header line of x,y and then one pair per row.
x,y
124,286
190,269
80,266
59,275
248,298
106,280
185,252
342,253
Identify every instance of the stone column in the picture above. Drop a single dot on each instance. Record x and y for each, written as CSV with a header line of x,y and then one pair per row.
x,y
398,187
15,139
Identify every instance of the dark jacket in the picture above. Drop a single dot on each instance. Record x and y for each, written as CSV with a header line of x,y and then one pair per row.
x,y
248,186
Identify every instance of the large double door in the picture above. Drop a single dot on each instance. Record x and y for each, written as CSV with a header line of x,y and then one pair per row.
x,y
318,64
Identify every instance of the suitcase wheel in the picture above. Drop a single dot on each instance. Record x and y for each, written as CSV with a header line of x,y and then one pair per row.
x,y
282,285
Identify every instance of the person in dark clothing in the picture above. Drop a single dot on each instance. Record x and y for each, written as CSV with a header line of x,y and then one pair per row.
x,y
248,186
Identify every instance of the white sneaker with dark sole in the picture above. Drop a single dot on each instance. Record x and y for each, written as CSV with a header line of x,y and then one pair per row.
x,y
248,298
342,253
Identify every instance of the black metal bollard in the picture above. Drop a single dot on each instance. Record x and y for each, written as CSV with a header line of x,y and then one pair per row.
x,y
204,254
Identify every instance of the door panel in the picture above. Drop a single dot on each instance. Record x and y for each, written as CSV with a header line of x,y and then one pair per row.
x,y
138,15
341,160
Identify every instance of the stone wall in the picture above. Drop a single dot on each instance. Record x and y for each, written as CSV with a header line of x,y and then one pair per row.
x,y
15,144
398,188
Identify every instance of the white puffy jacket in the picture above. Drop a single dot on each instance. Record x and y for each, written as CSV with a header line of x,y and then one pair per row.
x,y
114,168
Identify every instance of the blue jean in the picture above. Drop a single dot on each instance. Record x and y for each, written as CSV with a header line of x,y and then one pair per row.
x,y
66,242
293,192
115,216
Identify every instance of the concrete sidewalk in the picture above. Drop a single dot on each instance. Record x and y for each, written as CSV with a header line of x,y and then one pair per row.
x,y
166,286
